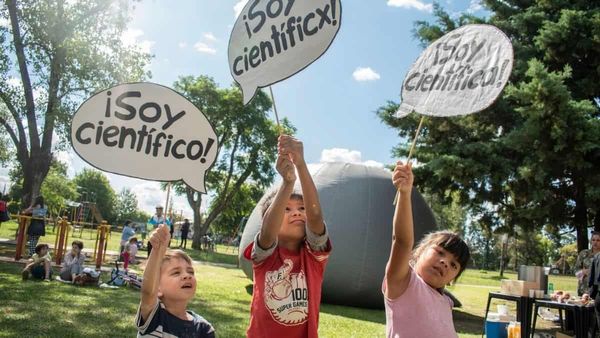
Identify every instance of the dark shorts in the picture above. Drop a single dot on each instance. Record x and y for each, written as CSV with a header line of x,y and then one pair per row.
x,y
39,272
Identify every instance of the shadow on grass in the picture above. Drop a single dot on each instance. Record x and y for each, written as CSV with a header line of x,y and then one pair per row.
x,y
467,323
249,289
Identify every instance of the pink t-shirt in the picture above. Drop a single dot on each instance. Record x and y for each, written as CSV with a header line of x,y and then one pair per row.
x,y
421,311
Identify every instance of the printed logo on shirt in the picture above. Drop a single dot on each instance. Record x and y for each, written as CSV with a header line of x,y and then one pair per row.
x,y
286,295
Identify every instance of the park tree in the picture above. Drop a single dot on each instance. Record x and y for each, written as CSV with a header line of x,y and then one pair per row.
x,y
126,206
237,210
247,145
530,159
52,55
94,187
58,189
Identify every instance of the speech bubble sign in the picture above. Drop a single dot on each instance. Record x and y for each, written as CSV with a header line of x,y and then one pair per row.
x,y
461,73
275,39
145,130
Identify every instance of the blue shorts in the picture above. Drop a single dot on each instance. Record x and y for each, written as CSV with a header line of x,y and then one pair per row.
x,y
39,272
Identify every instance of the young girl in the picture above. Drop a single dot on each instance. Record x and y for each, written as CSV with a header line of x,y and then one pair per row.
x,y
129,253
289,254
37,227
415,305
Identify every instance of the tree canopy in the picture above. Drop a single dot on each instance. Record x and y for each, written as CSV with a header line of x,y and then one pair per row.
x,y
52,55
530,160
247,145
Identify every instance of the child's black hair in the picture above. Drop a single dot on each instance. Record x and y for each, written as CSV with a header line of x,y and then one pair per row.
x,y
39,247
448,240
269,200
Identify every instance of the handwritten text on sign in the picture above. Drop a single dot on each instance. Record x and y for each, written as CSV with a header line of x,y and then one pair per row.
x,y
274,39
463,72
147,131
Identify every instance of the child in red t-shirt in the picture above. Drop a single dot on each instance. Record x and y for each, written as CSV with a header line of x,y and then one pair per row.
x,y
289,253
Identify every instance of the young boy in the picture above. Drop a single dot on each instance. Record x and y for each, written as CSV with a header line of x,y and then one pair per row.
x,y
289,254
168,286
39,264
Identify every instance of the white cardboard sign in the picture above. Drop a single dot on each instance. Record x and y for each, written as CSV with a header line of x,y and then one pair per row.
x,y
147,131
462,72
275,39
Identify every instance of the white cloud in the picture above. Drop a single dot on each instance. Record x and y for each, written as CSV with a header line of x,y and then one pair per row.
x,y
237,8
210,37
204,48
346,156
132,38
182,44
474,6
416,4
4,22
365,74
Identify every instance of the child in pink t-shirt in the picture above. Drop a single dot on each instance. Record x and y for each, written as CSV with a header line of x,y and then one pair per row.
x,y
415,305
289,254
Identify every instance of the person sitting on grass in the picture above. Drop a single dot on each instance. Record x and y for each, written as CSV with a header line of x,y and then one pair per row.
x,y
39,264
168,286
73,262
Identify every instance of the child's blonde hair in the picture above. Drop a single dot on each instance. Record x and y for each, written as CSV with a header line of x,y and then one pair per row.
x,y
448,240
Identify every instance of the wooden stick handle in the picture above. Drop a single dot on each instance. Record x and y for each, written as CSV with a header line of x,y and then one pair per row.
x,y
410,152
275,110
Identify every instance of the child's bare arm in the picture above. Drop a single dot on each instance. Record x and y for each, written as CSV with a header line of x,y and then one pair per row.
x,y
403,234
274,215
295,149
160,242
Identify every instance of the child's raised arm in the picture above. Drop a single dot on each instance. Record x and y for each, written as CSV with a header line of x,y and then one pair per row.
x,y
160,242
396,272
274,215
295,150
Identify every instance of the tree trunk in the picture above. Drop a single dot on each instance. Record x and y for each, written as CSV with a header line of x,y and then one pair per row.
x,y
200,227
35,169
580,219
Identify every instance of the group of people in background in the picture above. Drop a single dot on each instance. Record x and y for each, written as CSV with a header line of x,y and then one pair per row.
x,y
289,256
39,264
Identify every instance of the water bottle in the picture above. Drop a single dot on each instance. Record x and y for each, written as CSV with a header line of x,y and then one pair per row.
x,y
550,289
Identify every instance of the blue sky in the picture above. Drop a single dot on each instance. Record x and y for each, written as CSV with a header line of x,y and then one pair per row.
x,y
332,102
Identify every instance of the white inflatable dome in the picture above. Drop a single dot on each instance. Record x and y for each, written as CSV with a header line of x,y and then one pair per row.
x,y
357,206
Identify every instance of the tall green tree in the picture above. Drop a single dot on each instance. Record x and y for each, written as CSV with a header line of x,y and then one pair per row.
x,y
53,54
94,186
529,159
126,206
57,188
247,145
240,207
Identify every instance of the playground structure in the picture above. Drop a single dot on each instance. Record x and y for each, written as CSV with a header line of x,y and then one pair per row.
x,y
61,242
84,214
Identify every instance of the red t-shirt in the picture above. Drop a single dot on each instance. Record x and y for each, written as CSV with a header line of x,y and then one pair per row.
x,y
287,292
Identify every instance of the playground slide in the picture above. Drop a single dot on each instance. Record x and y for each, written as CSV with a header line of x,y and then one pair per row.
x,y
96,213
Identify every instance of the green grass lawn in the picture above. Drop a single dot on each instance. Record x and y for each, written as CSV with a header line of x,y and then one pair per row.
x,y
222,297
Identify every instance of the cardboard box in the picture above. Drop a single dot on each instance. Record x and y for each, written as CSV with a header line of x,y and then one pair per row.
x,y
563,335
518,287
